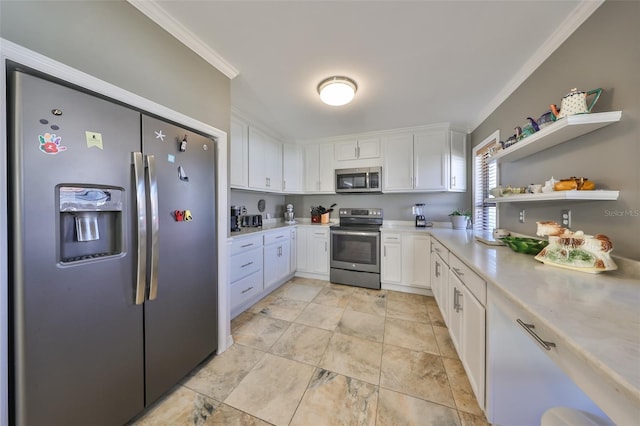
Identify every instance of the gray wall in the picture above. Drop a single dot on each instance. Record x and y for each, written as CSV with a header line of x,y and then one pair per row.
x,y
274,203
113,41
604,53
396,206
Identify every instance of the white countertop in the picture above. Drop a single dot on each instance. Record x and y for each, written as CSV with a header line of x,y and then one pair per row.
x,y
596,315
268,225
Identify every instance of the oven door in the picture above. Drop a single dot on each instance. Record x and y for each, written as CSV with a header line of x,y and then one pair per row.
x,y
355,250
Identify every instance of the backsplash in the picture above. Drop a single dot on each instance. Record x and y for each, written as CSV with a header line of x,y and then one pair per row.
x,y
274,203
438,205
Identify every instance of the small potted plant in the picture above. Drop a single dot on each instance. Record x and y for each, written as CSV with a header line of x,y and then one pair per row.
x,y
460,219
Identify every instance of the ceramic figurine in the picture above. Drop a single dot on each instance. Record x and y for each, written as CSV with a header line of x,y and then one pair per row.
x,y
575,250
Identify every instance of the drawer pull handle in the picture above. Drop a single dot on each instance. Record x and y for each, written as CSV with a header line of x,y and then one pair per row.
x,y
246,245
529,328
246,290
437,249
457,271
247,264
280,236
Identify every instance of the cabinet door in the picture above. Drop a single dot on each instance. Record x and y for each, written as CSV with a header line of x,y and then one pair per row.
x,y
436,272
239,154
473,342
455,310
292,177
430,160
271,265
302,248
274,165
319,253
347,150
326,169
391,267
397,170
285,260
368,148
258,151
311,168
458,162
294,251
416,260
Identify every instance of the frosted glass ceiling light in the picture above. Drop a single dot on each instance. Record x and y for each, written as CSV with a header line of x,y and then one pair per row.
x,y
336,91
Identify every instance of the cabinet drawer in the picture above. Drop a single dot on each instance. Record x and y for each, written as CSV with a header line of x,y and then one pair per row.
x,y
471,280
391,237
243,264
437,247
246,244
245,288
274,237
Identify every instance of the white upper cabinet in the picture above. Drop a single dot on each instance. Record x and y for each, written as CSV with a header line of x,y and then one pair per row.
x,y
292,174
239,154
397,167
423,160
458,161
265,162
318,168
359,149
430,158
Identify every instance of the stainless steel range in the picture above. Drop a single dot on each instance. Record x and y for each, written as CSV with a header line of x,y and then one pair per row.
x,y
355,248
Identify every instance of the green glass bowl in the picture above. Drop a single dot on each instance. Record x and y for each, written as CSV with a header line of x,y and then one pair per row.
x,y
525,245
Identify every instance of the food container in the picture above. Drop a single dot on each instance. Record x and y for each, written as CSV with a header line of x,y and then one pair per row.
x,y
525,245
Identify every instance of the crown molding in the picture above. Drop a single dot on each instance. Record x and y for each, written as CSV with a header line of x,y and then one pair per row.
x,y
157,14
559,36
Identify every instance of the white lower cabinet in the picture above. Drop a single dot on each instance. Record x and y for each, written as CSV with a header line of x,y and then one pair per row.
x,y
405,261
467,299
461,295
277,258
313,251
293,266
245,274
258,265
391,262
525,378
416,264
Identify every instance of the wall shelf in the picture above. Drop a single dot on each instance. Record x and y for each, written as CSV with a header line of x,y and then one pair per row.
x,y
574,195
560,131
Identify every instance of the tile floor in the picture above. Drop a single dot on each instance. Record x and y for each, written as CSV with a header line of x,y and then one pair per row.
x,y
315,353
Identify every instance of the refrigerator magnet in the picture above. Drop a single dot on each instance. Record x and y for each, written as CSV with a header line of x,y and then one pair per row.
x,y
93,139
51,144
171,158
183,144
159,135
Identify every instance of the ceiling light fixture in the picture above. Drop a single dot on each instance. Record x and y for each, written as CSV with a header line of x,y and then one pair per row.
x,y
337,91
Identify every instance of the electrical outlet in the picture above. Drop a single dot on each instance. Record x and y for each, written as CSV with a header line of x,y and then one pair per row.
x,y
566,218
521,216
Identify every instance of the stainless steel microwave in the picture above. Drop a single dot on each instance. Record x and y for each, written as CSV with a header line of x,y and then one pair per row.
x,y
363,179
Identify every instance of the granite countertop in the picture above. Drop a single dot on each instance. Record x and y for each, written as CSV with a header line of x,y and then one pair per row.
x,y
597,316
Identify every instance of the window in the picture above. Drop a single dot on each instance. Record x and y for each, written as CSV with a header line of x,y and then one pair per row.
x,y
485,177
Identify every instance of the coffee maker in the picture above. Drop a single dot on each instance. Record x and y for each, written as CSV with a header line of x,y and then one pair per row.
x,y
288,215
236,217
418,210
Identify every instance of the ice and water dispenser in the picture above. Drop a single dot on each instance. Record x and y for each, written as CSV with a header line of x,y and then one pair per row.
x,y
90,222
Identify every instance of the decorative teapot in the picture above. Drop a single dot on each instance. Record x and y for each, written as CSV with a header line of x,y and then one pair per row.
x,y
575,102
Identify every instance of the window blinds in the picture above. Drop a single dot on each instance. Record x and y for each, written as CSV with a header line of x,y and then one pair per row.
x,y
485,178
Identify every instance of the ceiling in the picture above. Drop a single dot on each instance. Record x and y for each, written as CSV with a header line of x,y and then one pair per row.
x,y
415,62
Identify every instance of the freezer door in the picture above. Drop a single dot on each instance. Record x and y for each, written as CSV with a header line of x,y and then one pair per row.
x,y
77,346
181,315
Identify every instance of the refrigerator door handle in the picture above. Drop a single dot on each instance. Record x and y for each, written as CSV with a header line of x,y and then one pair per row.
x,y
153,203
141,217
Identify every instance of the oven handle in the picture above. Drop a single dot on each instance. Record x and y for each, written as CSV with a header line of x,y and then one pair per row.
x,y
361,233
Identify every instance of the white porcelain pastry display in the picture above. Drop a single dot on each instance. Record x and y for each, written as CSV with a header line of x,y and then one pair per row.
x,y
575,250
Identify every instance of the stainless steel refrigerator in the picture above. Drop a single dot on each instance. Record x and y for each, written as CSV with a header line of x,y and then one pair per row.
x,y
112,254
